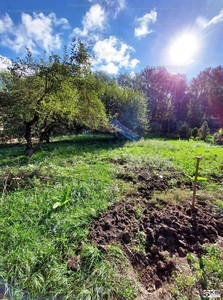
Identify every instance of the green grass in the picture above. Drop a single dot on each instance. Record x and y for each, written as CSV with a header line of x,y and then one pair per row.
x,y
48,202
205,272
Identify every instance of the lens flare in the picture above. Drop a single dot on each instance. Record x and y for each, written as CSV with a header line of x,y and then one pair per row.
x,y
183,49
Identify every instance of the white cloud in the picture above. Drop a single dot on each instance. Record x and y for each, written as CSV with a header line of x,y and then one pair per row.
x,y
144,22
95,19
112,7
4,63
112,54
216,19
120,6
33,32
109,68
6,24
134,63
204,23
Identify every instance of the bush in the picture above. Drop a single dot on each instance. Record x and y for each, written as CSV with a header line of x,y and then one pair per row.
x,y
194,132
184,131
218,137
204,131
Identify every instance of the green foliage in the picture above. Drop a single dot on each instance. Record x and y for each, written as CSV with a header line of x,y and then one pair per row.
x,y
65,199
212,267
38,95
140,242
194,112
204,131
194,132
165,94
125,104
218,137
133,113
184,131
218,208
101,277
207,92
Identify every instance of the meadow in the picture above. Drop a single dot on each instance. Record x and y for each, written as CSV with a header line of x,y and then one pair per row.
x,y
48,203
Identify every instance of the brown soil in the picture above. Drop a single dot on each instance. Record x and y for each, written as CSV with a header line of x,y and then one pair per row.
x,y
167,230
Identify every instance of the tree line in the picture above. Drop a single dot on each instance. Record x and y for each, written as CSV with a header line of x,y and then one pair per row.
x,y
173,102
51,93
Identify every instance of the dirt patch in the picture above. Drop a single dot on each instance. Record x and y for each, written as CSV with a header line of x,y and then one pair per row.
x,y
154,234
148,180
165,233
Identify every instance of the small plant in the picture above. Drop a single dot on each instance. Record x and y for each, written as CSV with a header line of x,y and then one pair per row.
x,y
139,209
139,242
65,199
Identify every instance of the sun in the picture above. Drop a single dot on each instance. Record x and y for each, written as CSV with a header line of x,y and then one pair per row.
x,y
183,49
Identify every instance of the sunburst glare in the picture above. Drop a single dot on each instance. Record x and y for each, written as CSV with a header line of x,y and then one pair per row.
x,y
183,49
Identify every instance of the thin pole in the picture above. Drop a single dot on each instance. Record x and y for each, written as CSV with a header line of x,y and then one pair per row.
x,y
198,158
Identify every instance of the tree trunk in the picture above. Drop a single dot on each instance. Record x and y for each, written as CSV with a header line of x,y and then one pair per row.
x,y
44,135
28,136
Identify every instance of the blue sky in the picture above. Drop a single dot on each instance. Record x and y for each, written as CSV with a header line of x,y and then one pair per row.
x,y
185,36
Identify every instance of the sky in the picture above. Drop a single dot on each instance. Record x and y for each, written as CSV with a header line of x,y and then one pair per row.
x,y
185,36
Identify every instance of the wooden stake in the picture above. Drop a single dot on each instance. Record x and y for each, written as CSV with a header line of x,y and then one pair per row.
x,y
198,158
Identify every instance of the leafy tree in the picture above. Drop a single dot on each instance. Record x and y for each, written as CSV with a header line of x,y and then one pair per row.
x,y
166,97
179,96
38,95
130,81
207,89
194,113
133,113
125,104
154,83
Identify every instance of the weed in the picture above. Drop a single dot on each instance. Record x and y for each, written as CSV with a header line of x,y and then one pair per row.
x,y
139,242
139,210
205,273
218,207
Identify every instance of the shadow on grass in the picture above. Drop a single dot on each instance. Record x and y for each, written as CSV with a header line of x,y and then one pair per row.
x,y
13,155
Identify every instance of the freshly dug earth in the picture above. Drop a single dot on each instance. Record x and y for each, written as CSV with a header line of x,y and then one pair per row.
x,y
153,233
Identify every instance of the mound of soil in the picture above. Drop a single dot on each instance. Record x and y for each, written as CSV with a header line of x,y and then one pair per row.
x,y
165,231
172,230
